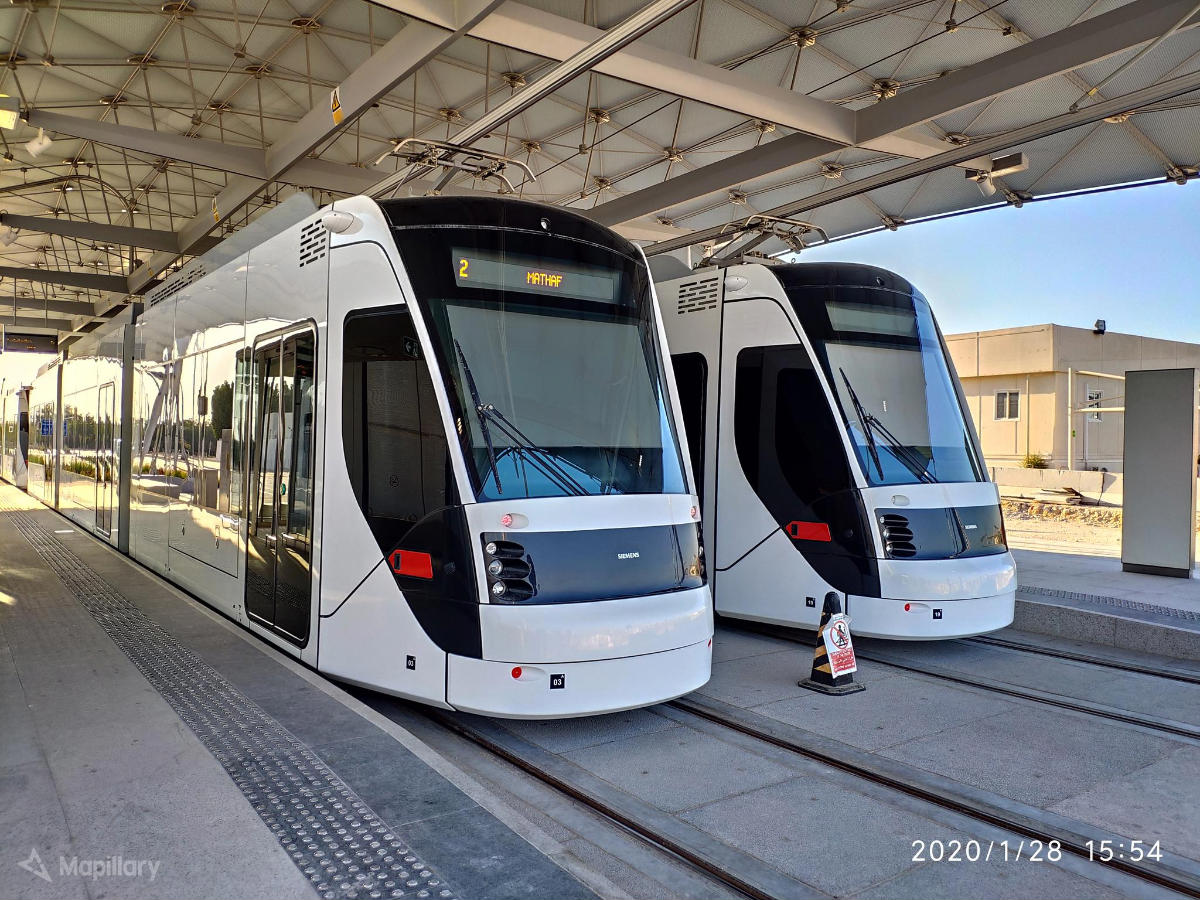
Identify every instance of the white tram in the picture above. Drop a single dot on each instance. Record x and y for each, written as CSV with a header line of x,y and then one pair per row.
x,y
427,446
833,451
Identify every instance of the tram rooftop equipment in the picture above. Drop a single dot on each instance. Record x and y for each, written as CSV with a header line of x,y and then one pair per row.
x,y
427,446
833,451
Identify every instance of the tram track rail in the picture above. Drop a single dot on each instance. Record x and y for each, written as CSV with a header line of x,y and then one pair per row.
x,y
1107,662
749,876
1174,872
746,875
1157,724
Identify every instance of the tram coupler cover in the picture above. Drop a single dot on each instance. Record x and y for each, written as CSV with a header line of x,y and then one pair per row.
x,y
834,664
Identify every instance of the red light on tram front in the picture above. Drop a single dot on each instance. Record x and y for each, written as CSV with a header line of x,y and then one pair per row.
x,y
516,672
411,562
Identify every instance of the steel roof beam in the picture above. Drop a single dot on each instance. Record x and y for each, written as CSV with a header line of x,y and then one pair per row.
x,y
410,49
249,162
586,58
535,31
37,304
736,169
198,151
882,125
1172,87
86,280
32,322
1077,45
101,233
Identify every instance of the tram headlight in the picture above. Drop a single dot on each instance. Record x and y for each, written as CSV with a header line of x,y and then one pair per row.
x,y
495,567
499,588
491,548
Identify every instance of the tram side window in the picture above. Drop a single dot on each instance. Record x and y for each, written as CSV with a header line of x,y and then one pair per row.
x,y
691,378
396,450
786,436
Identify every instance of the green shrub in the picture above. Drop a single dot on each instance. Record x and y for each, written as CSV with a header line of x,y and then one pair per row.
x,y
1033,461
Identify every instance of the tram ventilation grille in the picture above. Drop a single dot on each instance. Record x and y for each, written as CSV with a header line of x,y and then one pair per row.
x,y
313,242
897,536
193,272
697,296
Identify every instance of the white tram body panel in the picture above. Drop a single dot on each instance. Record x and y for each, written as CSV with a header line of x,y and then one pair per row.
x,y
292,437
795,502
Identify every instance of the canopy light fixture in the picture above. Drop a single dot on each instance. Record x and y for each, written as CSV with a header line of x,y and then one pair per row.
x,y
39,144
1009,164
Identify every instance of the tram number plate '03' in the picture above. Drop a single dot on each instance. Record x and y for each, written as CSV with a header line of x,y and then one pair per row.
x,y
558,682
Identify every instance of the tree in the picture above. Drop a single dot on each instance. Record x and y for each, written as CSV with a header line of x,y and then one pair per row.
x,y
222,407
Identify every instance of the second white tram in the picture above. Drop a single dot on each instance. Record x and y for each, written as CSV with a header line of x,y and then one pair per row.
x,y
833,450
427,446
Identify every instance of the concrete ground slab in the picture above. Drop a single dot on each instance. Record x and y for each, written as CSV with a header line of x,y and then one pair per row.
x,y
772,675
1159,802
803,827
588,731
729,644
678,769
1131,691
892,711
995,880
1034,755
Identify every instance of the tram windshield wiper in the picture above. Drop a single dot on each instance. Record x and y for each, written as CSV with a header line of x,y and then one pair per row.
x,y
907,456
544,461
539,457
900,451
864,423
483,422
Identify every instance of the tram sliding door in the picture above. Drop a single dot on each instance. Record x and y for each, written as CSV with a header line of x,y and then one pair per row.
x,y
279,549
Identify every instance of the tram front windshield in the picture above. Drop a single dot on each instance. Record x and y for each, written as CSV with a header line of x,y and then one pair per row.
x,y
886,363
550,354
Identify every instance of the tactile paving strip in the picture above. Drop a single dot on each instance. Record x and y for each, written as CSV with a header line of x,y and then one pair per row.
x,y
334,838
1119,602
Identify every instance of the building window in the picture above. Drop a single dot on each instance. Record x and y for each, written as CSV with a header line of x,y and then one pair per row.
x,y
1008,405
1093,400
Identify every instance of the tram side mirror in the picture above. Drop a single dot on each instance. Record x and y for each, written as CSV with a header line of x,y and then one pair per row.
x,y
202,405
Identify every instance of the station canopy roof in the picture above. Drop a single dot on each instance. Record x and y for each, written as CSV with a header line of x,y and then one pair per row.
x,y
143,132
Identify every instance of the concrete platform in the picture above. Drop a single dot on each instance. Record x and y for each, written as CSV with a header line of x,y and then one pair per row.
x,y
150,748
1089,597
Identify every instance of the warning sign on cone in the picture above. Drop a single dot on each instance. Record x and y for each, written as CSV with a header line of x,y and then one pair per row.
x,y
833,664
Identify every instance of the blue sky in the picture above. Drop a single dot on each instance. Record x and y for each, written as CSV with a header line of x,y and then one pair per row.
x,y
1130,257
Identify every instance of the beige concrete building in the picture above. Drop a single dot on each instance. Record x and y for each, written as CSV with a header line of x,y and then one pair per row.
x,y
1015,381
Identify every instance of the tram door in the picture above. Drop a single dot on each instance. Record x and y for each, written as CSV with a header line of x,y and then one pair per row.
x,y
279,530
105,457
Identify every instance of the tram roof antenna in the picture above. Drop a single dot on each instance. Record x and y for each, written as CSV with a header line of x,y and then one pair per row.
x,y
420,153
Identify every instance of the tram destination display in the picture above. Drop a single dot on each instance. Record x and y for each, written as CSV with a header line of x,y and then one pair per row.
x,y
504,272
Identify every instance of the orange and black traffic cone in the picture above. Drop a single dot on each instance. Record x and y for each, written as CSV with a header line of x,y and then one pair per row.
x,y
833,664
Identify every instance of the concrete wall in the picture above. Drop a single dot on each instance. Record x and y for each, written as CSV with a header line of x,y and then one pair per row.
x,y
1033,361
1094,485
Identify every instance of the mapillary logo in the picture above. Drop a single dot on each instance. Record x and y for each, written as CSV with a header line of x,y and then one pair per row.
x,y
106,867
